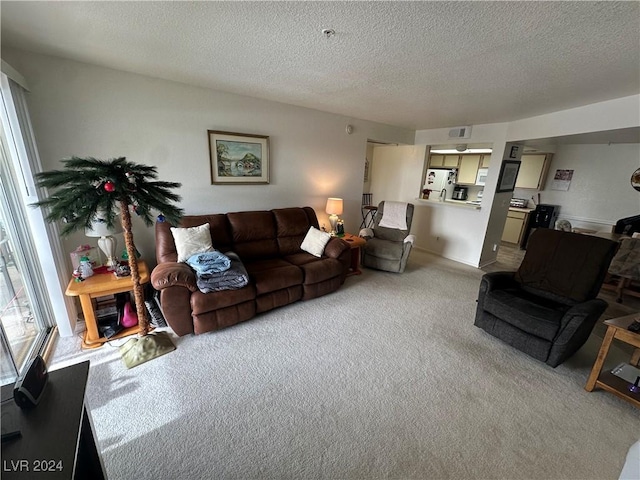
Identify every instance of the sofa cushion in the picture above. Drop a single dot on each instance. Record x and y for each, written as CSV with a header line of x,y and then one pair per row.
x,y
567,264
292,224
218,229
207,302
190,241
315,241
392,234
321,270
254,235
273,274
301,258
532,314
385,249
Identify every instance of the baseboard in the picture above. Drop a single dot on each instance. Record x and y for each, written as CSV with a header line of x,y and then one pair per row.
x,y
459,260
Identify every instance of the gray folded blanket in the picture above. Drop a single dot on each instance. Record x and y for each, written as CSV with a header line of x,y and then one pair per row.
x,y
233,278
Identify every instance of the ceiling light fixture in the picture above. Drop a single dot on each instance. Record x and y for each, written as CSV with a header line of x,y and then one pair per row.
x,y
328,32
454,151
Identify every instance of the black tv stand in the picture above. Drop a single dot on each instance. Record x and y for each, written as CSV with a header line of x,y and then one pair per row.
x,y
56,438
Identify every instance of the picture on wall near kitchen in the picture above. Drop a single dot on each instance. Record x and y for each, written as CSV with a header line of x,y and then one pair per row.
x,y
238,158
562,180
508,175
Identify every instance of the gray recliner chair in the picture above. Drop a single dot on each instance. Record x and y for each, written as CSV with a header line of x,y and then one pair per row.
x,y
548,308
388,248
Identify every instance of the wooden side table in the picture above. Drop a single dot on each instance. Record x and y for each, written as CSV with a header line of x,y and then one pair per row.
x,y
96,286
616,328
356,243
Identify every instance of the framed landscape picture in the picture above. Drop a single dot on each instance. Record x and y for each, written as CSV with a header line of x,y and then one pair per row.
x,y
238,158
508,175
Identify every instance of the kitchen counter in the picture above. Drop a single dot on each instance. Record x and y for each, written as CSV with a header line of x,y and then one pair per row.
x,y
523,210
448,203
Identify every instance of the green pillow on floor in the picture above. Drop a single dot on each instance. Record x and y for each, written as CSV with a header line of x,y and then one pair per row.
x,y
139,350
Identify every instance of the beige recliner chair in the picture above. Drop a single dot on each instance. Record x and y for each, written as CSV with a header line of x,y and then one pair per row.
x,y
388,242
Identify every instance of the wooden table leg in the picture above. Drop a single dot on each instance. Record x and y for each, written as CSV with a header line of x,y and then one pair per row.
x,y
635,358
91,336
602,354
355,261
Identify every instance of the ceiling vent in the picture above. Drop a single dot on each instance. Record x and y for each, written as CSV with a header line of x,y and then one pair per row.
x,y
460,132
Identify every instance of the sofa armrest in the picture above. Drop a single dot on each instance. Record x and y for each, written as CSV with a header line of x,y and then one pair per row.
x,y
336,247
497,281
173,274
575,328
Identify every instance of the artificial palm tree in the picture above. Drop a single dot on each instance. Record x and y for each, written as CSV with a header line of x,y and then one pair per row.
x,y
88,189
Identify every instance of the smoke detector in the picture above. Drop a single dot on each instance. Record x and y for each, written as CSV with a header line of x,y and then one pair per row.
x,y
461,148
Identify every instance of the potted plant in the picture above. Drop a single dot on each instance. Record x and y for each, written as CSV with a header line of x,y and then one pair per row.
x,y
87,188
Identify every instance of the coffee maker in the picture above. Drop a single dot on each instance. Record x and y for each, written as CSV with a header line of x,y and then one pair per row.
x,y
459,193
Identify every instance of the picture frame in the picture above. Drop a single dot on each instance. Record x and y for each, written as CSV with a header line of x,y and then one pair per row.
x,y
508,176
238,158
513,153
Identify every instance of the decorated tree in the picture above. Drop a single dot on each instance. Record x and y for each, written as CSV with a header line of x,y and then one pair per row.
x,y
88,189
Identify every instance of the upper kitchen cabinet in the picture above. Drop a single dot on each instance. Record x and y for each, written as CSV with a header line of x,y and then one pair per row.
x,y
451,161
468,170
533,171
436,160
443,161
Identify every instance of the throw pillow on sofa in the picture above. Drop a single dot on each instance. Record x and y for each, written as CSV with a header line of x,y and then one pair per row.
x,y
190,241
315,241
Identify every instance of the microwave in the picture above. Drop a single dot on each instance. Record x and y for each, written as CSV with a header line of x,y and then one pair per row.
x,y
481,178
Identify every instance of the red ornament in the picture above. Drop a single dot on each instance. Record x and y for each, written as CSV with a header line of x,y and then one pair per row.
x,y
109,186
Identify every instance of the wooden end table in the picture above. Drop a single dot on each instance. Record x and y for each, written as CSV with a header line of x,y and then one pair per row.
x,y
356,243
99,285
616,328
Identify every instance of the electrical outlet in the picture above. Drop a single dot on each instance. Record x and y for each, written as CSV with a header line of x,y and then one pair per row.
x,y
495,247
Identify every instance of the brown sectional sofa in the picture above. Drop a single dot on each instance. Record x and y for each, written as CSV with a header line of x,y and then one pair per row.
x,y
268,243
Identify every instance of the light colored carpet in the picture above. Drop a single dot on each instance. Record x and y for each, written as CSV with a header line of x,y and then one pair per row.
x,y
385,378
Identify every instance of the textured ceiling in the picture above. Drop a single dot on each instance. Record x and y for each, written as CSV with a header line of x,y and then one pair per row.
x,y
413,64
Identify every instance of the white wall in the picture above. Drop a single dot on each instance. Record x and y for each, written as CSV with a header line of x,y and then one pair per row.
x,y
600,192
397,172
610,115
85,110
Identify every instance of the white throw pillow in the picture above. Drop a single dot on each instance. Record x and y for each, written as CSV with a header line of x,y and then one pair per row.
x,y
190,241
315,241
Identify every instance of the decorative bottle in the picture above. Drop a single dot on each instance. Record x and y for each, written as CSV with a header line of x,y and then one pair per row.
x,y
86,270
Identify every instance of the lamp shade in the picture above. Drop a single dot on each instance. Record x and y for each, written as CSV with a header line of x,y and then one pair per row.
x,y
334,206
99,228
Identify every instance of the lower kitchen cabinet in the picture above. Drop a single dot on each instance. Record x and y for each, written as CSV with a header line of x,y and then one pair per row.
x,y
514,226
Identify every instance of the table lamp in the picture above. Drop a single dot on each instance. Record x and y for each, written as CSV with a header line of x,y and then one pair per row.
x,y
106,241
334,208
